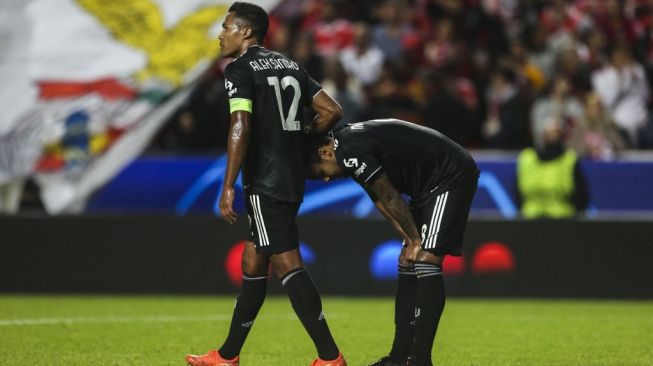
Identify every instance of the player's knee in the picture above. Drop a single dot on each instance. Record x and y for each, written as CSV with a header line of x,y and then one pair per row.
x,y
254,269
285,262
253,265
283,267
280,268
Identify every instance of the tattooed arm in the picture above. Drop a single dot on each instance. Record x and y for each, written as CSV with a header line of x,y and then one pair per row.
x,y
389,202
237,143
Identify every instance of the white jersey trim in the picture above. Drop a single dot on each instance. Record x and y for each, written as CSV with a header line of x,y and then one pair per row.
x,y
436,220
372,174
258,218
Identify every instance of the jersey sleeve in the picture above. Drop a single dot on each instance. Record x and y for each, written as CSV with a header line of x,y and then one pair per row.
x,y
239,83
359,163
311,88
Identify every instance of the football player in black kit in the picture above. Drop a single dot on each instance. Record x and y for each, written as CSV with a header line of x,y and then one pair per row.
x,y
267,92
388,158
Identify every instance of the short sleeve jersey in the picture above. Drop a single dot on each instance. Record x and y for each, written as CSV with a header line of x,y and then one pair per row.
x,y
274,89
419,161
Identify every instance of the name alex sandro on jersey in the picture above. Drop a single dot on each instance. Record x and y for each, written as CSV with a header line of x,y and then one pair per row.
x,y
275,64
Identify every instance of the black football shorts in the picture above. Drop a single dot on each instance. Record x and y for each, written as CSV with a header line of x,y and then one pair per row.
x,y
272,225
442,220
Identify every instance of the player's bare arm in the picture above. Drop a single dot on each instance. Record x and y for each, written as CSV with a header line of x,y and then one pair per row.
x,y
237,143
387,215
328,113
389,202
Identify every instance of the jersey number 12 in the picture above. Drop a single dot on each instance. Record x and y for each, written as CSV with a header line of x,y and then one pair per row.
x,y
287,122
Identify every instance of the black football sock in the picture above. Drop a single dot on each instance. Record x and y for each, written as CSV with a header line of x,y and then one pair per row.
x,y
308,307
249,301
404,312
429,307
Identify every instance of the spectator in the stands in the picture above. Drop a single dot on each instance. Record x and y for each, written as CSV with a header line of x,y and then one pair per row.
x,y
535,78
557,103
303,51
449,110
331,33
539,52
280,39
362,60
569,65
200,124
442,48
339,85
506,124
596,137
623,89
394,33
398,93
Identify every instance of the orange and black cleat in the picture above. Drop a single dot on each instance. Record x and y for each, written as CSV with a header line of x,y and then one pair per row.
x,y
340,361
212,358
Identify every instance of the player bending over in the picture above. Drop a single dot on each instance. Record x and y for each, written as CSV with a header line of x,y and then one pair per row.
x,y
266,138
389,157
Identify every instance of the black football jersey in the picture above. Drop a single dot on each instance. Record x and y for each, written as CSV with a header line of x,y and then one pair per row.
x,y
419,161
277,89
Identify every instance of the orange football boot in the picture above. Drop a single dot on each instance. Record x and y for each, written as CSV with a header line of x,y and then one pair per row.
x,y
340,361
212,358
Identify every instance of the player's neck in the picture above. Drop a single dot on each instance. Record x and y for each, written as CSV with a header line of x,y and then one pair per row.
x,y
247,44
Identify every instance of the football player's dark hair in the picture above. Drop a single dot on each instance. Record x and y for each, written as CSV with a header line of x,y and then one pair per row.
x,y
254,16
312,145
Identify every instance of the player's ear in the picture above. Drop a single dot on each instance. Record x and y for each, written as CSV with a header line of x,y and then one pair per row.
x,y
247,32
325,153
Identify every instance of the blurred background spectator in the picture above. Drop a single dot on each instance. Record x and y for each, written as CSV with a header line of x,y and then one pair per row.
x,y
622,87
332,32
303,51
596,136
452,108
557,102
363,60
506,125
347,93
199,125
393,33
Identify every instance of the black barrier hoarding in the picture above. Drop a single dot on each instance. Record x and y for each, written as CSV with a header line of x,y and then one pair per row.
x,y
162,254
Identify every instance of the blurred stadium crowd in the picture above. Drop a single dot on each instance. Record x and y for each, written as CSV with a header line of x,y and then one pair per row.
x,y
490,74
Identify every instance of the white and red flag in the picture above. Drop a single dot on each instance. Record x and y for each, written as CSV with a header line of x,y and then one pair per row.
x,y
87,83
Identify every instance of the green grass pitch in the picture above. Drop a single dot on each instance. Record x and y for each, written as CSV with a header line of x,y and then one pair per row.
x,y
122,330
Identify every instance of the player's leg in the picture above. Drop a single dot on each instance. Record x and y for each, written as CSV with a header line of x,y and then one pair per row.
x,y
443,236
249,301
404,317
429,305
275,220
306,301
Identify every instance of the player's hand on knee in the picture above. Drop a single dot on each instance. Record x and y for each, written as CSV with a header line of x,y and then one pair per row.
x,y
413,249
